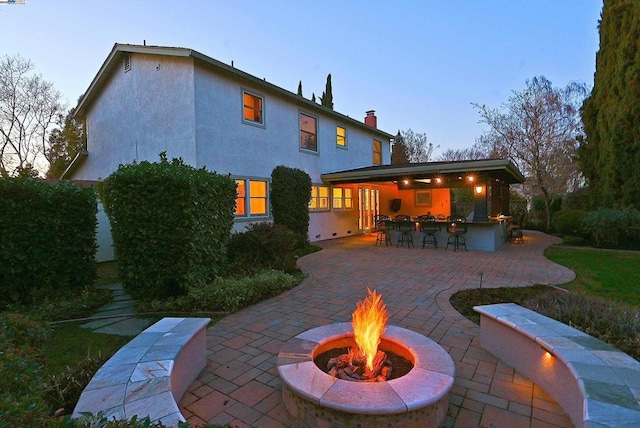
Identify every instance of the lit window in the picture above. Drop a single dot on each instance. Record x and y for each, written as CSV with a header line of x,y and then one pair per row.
x,y
252,108
337,197
319,198
241,199
341,137
251,198
342,198
377,152
308,132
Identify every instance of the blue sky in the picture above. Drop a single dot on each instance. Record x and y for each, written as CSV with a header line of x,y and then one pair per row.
x,y
418,64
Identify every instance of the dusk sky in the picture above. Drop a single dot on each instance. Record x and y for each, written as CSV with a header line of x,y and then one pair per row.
x,y
418,64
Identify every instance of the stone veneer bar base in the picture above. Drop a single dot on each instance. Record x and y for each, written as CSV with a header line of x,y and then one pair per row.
x,y
418,399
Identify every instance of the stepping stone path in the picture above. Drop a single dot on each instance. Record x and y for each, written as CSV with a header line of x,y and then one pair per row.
x,y
117,317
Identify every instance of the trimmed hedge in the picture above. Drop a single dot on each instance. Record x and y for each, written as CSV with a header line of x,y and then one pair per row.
x,y
170,223
613,228
290,196
569,222
48,238
263,246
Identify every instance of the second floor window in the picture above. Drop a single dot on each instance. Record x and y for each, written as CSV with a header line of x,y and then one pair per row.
x,y
341,137
308,132
377,152
252,108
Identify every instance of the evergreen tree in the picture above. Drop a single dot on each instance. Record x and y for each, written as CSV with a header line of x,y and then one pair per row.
x,y
300,88
64,145
398,150
327,95
313,97
609,156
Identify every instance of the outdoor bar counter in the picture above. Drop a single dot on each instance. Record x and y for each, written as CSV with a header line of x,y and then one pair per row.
x,y
486,235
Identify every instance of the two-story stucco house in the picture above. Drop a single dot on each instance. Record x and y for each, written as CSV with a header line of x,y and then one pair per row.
x,y
146,100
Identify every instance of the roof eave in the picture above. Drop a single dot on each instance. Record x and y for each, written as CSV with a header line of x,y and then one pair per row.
x,y
118,49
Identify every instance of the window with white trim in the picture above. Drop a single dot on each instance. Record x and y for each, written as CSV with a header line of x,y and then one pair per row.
x,y
341,137
342,198
252,108
377,152
319,198
308,132
252,198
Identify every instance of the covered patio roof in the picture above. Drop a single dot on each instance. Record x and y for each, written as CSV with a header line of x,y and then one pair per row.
x,y
432,174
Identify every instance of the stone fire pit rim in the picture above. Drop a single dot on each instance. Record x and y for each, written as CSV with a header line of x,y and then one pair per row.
x,y
428,382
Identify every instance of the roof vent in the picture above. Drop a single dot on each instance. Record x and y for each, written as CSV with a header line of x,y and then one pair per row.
x,y
127,63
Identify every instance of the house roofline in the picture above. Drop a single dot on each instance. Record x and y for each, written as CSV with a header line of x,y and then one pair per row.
x,y
119,49
503,169
78,160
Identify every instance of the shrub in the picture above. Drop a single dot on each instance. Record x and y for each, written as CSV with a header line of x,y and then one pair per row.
x,y
48,238
290,196
62,391
263,246
230,294
21,400
574,240
612,322
609,227
577,200
170,224
569,222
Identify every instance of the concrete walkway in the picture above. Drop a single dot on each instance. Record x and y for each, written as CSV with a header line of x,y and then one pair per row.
x,y
117,316
240,385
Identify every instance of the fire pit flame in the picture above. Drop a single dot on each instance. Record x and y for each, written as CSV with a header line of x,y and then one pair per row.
x,y
369,324
365,362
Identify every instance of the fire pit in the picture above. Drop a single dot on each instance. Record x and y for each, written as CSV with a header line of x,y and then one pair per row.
x,y
419,398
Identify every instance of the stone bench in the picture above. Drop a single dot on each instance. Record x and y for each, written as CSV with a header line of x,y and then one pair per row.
x,y
150,374
594,383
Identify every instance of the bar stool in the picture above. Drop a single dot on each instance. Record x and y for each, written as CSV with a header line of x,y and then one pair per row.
x,y
456,228
429,227
382,223
405,229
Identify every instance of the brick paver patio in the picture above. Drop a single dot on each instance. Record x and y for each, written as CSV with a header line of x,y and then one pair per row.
x,y
240,385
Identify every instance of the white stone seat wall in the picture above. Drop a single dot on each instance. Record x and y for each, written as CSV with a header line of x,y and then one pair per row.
x,y
150,374
596,384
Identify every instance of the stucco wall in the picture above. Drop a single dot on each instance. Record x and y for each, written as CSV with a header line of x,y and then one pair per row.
x,y
175,105
139,114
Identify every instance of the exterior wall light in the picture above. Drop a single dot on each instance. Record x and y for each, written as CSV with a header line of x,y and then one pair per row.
x,y
479,190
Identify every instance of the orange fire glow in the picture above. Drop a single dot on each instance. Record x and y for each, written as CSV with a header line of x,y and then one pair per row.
x,y
368,321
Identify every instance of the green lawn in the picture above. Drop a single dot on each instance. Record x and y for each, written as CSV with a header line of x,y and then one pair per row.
x,y
71,344
605,273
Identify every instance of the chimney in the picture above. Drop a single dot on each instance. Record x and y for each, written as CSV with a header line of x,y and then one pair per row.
x,y
371,119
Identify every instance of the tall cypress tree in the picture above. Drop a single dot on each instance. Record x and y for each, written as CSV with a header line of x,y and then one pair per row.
x,y
327,96
610,155
300,88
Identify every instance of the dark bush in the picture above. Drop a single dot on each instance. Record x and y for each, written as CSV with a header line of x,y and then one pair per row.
x,y
612,322
290,196
574,240
48,238
170,224
263,246
569,222
230,294
578,200
21,399
613,228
